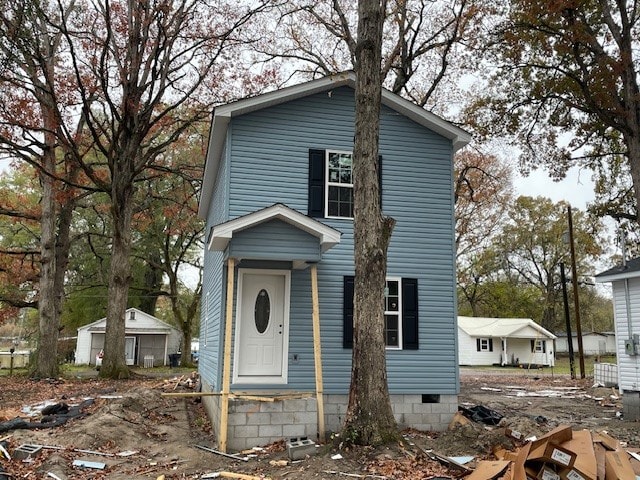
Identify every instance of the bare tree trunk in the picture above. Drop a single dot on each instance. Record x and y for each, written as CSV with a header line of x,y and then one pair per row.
x,y
114,364
50,297
46,360
369,418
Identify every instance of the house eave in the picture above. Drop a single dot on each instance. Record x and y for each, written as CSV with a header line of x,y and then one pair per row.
x,y
222,234
222,116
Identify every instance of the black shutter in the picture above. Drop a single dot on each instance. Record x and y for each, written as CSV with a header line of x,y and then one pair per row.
x,y
316,183
409,314
478,347
347,312
544,346
533,346
380,178
491,344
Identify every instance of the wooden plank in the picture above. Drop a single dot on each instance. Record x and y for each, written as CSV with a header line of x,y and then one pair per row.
x,y
226,360
317,351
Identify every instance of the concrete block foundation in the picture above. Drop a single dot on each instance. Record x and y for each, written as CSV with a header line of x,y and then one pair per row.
x,y
254,423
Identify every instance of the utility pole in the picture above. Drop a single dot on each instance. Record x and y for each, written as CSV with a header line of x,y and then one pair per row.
x,y
574,281
563,279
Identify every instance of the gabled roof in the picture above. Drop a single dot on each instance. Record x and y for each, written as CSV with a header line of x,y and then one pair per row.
x,y
222,116
630,269
502,327
221,234
103,320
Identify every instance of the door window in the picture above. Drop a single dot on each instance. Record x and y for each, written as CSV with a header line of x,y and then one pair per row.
x,y
262,311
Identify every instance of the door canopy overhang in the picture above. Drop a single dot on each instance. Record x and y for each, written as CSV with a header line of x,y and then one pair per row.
x,y
223,233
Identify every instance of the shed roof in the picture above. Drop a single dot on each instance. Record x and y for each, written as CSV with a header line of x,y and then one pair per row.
x,y
158,325
222,116
502,327
630,269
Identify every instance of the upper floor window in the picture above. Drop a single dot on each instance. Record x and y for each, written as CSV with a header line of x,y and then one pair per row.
x,y
331,183
339,186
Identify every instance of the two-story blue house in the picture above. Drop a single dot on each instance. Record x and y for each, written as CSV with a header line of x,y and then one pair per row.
x,y
277,197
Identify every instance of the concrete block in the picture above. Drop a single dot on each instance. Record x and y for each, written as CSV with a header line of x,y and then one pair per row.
x,y
271,407
259,418
439,407
408,398
237,419
297,405
423,407
244,407
291,431
25,451
287,418
306,417
402,408
412,419
298,449
270,431
243,431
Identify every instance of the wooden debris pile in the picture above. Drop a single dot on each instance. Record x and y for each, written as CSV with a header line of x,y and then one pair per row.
x,y
561,454
187,382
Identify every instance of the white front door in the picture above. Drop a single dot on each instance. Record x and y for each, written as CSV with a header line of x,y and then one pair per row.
x,y
262,327
130,350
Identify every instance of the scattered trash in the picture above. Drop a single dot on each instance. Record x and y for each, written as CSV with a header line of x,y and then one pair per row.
x,y
482,414
278,463
4,451
26,451
88,464
240,476
228,455
354,475
47,421
561,454
127,453
53,475
337,456
299,449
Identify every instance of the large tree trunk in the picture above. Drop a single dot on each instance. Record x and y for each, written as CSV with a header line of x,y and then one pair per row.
x,y
113,363
369,419
46,360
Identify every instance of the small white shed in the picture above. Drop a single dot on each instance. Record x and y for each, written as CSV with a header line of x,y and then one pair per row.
x,y
148,340
593,343
625,283
504,341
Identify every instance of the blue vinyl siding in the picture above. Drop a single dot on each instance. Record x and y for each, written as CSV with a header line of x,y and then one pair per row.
x,y
275,240
214,285
269,151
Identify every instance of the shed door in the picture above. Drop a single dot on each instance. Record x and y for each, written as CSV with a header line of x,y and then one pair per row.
x,y
130,350
262,328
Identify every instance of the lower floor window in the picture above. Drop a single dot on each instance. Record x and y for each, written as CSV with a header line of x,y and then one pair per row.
x,y
392,313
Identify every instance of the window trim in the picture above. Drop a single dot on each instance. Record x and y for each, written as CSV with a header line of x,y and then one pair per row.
x,y
398,313
328,183
538,346
485,344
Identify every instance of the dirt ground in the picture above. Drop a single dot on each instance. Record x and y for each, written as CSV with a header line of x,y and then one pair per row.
x,y
137,433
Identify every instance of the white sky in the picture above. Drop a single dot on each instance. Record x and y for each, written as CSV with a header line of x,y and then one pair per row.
x,y
577,188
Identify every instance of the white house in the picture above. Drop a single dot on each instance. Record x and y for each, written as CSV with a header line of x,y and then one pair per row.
x,y
593,343
148,340
625,283
504,341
